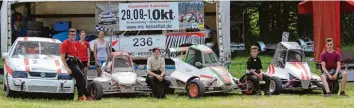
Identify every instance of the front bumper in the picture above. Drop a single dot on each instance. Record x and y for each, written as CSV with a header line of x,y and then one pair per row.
x,y
41,85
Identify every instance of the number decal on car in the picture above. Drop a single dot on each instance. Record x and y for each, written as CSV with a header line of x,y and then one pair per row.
x,y
142,42
34,61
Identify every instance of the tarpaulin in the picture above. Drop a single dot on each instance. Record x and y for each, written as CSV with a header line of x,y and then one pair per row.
x,y
326,21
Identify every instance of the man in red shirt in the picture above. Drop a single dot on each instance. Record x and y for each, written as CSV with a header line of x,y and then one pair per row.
x,y
84,51
330,61
69,55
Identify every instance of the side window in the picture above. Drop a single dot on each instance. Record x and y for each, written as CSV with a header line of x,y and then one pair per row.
x,y
190,56
193,56
12,48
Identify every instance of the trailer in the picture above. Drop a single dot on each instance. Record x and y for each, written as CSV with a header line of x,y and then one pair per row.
x,y
86,16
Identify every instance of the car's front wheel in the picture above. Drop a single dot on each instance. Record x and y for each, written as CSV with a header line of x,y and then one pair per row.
x,y
96,90
195,89
9,92
275,85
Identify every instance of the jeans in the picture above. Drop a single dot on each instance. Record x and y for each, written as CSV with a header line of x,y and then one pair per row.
x,y
77,73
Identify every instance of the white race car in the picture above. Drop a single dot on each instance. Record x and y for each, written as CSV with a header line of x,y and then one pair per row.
x,y
33,64
199,72
288,70
118,76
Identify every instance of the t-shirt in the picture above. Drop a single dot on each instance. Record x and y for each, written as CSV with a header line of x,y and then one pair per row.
x,y
254,63
68,47
154,64
330,59
83,50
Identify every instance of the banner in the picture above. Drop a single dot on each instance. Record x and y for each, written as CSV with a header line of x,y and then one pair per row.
x,y
148,16
191,15
107,15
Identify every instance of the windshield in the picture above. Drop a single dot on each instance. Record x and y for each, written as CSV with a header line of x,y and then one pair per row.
x,y
121,61
295,56
210,58
36,49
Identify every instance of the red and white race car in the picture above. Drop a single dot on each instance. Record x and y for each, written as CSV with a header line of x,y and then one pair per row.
x,y
288,70
33,64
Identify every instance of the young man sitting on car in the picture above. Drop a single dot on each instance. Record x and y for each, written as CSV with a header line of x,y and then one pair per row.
x,y
330,61
156,73
254,71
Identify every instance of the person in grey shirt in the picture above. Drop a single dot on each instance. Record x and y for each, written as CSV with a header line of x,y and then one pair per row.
x,y
156,73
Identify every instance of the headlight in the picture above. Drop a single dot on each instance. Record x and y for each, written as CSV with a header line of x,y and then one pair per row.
x,y
64,76
20,74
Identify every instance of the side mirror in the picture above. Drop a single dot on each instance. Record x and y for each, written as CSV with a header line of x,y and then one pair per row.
x,y
198,64
5,55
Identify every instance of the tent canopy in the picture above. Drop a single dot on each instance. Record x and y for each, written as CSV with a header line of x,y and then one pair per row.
x,y
306,7
326,21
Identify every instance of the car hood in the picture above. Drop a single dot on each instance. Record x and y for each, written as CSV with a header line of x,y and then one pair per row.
x,y
52,65
299,70
124,78
222,74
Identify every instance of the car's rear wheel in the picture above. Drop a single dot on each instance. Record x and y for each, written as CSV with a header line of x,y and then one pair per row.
x,y
248,88
96,90
195,89
275,85
334,86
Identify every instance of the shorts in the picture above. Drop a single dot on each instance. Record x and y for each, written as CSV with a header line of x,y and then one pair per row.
x,y
85,63
332,72
101,62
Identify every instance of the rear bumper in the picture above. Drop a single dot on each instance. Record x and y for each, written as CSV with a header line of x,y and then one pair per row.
x,y
41,85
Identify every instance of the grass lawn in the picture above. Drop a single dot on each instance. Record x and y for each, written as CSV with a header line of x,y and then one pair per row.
x,y
293,99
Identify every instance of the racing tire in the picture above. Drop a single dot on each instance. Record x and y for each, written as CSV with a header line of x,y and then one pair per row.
x,y
3,86
67,96
275,85
333,86
249,87
96,90
9,92
195,89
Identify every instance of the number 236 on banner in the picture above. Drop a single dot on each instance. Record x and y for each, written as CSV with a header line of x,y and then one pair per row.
x,y
144,16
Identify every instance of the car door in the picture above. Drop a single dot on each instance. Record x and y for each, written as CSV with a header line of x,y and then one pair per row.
x,y
191,58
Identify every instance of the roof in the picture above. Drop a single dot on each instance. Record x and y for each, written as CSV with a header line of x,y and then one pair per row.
x,y
120,53
41,39
201,47
290,45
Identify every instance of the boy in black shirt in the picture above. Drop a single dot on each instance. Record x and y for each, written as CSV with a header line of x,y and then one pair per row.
x,y
254,71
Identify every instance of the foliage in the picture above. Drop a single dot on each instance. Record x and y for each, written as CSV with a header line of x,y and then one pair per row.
x,y
266,20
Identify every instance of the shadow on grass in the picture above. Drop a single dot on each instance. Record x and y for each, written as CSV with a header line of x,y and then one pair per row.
x,y
126,96
302,92
212,94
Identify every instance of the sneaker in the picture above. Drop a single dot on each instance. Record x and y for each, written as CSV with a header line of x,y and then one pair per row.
x,y
89,98
343,93
81,98
327,94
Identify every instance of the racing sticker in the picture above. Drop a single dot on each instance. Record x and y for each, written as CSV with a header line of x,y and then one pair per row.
x,y
140,46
